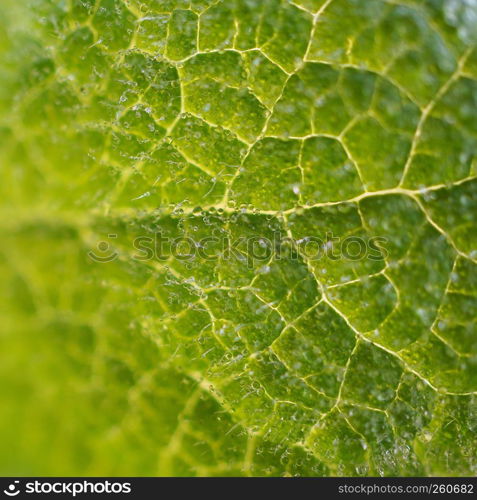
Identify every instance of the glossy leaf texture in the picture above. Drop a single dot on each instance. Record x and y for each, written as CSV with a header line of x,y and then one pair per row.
x,y
238,120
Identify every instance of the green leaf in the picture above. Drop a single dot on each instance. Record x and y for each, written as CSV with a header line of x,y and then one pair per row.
x,y
239,237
